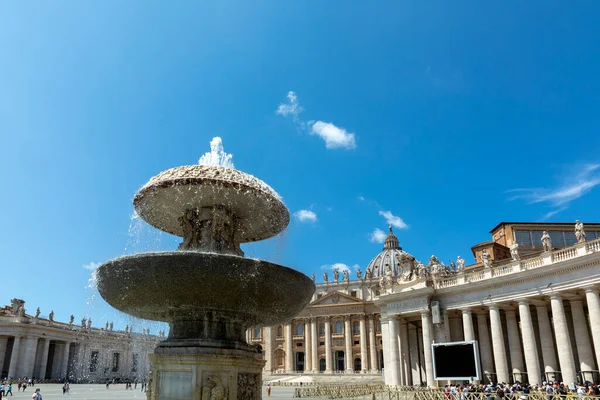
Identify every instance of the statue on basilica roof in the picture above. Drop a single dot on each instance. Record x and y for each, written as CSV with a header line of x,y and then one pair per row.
x,y
546,241
579,232
336,275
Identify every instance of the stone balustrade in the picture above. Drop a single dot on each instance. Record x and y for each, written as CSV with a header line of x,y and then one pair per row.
x,y
514,267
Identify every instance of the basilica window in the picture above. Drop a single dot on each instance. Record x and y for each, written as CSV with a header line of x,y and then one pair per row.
x,y
257,333
300,329
355,328
94,361
115,361
280,331
321,329
135,362
338,327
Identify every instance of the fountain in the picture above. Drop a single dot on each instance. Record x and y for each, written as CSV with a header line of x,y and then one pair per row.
x,y
206,290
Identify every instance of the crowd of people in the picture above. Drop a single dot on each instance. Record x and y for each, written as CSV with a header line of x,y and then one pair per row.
x,y
521,391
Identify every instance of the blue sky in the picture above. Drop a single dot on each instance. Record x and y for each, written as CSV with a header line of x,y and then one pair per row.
x,y
452,106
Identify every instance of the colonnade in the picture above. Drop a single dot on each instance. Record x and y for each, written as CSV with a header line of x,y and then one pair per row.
x,y
528,340
27,356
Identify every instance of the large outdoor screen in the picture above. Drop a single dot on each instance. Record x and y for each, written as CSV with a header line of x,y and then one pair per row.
x,y
456,361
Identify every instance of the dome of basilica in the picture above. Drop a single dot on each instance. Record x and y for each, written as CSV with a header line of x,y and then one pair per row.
x,y
400,262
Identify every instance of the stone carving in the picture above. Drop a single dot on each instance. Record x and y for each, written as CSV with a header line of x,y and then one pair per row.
x,y
359,274
127,328
17,307
460,263
37,313
325,278
213,389
346,276
452,266
247,386
422,270
71,319
106,326
209,229
514,252
89,325
387,281
336,275
51,316
369,275
111,326
579,232
486,258
546,241
83,322
436,268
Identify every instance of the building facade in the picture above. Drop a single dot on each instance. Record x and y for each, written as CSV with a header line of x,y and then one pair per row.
x,y
531,303
39,347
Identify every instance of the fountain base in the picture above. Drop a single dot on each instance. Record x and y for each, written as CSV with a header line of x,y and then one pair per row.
x,y
228,374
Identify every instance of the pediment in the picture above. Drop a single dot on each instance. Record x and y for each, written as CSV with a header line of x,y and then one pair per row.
x,y
335,298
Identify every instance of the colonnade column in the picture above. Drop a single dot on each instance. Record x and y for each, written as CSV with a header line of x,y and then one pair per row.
x,y
314,338
582,340
44,360
498,345
14,358
546,342
467,320
328,355
307,345
593,303
405,354
514,344
529,344
3,347
392,352
427,340
289,349
561,331
29,356
269,367
364,362
65,363
348,343
372,344
485,348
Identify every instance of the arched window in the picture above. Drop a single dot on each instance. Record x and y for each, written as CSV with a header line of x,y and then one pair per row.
x,y
321,329
257,332
279,331
300,329
322,365
339,327
355,328
357,364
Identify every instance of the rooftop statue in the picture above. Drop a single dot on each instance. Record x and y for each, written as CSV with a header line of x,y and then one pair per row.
x,y
460,263
336,275
579,232
51,316
346,276
359,274
546,241
514,251
486,258
37,313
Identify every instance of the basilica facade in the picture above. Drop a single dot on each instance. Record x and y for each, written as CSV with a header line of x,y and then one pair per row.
x,y
530,301
39,347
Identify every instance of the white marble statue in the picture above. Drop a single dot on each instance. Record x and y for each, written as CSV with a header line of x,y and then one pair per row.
x,y
546,241
336,275
325,277
579,232
359,274
346,276
486,258
514,251
460,263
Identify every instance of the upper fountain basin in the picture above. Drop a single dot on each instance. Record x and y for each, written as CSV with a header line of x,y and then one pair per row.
x,y
258,209
181,285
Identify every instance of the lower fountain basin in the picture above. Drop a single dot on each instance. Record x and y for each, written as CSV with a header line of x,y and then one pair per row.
x,y
185,286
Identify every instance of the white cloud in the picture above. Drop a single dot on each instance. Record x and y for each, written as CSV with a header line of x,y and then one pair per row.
x,y
340,267
378,236
393,220
575,186
291,107
91,266
305,216
361,198
334,137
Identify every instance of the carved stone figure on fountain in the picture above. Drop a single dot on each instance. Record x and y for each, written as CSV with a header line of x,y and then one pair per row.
x,y
486,259
460,263
514,252
546,241
336,275
51,316
579,232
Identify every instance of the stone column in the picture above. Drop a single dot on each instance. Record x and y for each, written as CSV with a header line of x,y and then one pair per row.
x,y
514,344
372,344
456,331
427,340
328,354
404,354
44,360
65,360
348,343
561,331
593,303
582,339
14,358
546,342
498,345
485,348
529,344
467,320
29,351
3,346
314,338
413,342
268,349
307,346
364,362
289,349
392,352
